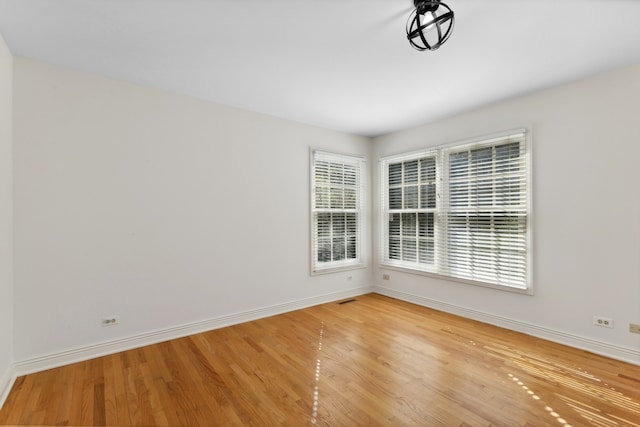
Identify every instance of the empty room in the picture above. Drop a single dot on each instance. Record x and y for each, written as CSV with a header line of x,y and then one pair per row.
x,y
338,213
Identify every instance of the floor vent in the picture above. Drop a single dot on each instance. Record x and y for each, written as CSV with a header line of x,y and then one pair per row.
x,y
347,301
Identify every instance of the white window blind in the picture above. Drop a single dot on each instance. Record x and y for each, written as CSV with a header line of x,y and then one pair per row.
x,y
460,211
337,211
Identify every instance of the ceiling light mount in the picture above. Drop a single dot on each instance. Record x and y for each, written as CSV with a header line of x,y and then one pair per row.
x,y
429,25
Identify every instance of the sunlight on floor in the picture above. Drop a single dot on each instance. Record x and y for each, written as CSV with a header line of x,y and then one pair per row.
x,y
592,390
536,397
316,390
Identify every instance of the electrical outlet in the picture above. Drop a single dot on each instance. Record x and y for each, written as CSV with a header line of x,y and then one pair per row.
x,y
386,277
605,322
110,320
634,328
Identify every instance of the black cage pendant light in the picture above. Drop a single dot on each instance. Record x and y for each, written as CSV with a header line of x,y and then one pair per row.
x,y
429,25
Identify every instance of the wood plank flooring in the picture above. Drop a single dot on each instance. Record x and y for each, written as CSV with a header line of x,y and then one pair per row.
x,y
375,361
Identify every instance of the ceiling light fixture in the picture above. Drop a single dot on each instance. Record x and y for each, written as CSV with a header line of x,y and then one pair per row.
x,y
429,25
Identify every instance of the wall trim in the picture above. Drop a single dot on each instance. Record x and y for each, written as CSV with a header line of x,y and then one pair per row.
x,y
79,354
7,380
613,351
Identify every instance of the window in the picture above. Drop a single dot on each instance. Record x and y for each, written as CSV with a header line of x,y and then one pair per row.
x,y
460,211
412,203
337,211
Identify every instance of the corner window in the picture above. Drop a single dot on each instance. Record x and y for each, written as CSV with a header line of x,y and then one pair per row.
x,y
460,211
336,211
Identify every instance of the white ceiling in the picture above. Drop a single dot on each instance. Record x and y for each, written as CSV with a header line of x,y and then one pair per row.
x,y
338,64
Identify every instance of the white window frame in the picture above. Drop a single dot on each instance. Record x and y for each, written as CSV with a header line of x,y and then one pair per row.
x,y
518,233
412,207
353,207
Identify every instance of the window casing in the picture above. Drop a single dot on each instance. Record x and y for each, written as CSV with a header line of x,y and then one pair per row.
x,y
337,216
460,211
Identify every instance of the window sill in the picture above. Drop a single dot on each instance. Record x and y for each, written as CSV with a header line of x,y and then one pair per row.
x,y
337,269
523,291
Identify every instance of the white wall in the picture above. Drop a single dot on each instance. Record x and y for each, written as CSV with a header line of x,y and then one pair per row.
x,y
135,202
6,218
159,208
586,212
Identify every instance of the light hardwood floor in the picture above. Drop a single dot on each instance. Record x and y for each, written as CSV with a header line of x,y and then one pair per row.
x,y
375,361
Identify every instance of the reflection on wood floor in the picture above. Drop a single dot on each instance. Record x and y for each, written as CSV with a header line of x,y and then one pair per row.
x,y
374,361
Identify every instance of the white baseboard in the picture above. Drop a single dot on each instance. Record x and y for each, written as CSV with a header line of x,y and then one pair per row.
x,y
7,380
79,354
605,349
